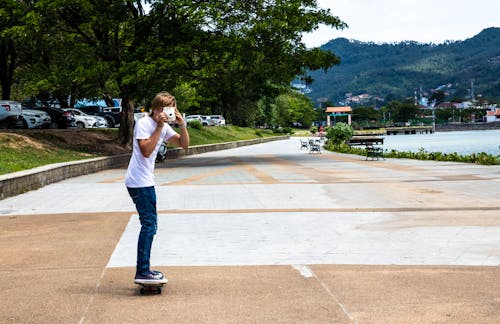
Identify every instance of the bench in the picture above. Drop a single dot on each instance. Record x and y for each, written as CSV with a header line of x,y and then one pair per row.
x,y
304,144
374,152
314,146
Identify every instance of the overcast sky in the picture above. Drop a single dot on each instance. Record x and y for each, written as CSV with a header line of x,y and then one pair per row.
x,y
397,20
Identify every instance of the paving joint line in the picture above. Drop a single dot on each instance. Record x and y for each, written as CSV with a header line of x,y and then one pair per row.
x,y
307,272
91,300
327,210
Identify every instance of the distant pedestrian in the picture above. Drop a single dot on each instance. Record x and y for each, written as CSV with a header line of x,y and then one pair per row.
x,y
149,133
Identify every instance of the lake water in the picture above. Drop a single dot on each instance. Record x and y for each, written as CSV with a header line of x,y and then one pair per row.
x,y
464,143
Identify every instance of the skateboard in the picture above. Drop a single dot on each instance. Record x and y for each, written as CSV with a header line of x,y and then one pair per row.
x,y
151,288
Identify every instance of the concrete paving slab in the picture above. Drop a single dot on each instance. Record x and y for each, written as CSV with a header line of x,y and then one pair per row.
x,y
271,238
51,265
262,233
217,295
393,294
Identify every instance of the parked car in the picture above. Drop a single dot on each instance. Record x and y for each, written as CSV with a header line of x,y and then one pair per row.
x,y
36,118
87,121
60,118
207,121
82,120
218,120
101,121
111,114
11,114
190,118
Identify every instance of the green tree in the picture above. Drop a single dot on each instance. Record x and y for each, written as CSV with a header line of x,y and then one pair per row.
x,y
291,108
222,56
401,111
100,44
365,115
339,134
257,51
437,97
55,65
12,42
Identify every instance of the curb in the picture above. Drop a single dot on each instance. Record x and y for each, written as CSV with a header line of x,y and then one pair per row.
x,y
16,183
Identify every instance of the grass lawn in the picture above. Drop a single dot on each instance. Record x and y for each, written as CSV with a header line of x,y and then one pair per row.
x,y
27,149
212,135
19,153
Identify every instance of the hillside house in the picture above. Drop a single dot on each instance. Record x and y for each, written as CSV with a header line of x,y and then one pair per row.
x,y
493,115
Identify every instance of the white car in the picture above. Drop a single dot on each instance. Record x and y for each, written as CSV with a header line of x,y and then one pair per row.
x,y
190,118
11,114
218,120
83,120
207,121
101,122
36,118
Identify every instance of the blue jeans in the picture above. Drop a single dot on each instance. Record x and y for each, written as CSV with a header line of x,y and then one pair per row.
x,y
145,203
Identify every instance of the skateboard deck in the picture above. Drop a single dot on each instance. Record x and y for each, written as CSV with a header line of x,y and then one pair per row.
x,y
151,288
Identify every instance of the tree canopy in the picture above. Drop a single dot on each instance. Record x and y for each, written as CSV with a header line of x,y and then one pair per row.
x,y
220,57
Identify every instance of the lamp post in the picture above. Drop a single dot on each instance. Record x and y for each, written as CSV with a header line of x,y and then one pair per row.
x,y
433,120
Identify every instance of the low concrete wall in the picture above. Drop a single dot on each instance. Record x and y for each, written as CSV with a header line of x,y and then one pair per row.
x,y
466,127
178,152
19,182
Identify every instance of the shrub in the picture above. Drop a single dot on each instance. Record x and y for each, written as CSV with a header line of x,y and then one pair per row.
x,y
283,130
196,124
339,134
478,158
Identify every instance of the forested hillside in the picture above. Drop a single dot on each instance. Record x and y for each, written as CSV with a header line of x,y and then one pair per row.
x,y
396,70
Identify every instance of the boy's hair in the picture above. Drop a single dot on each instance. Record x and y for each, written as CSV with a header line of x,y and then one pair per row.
x,y
163,99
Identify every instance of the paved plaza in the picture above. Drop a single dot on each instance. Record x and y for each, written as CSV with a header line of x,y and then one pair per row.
x,y
266,233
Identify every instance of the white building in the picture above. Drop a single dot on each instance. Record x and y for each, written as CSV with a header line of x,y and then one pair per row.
x,y
493,115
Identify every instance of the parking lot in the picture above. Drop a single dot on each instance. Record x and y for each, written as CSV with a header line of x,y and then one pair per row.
x,y
262,233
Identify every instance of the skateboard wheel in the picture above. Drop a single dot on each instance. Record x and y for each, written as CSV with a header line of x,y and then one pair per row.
x,y
150,290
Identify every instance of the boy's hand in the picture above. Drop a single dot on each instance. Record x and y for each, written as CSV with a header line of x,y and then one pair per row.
x,y
160,119
178,117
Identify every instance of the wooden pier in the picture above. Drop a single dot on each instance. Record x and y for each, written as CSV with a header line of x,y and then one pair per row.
x,y
409,130
366,140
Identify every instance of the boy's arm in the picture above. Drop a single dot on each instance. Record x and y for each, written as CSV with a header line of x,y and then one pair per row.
x,y
148,145
181,139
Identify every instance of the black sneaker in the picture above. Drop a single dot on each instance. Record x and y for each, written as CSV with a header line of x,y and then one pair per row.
x,y
158,273
150,277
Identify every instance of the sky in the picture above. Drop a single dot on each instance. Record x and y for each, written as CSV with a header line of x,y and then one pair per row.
x,y
425,21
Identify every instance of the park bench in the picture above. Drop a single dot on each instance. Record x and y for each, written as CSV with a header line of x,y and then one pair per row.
x,y
374,152
314,146
304,144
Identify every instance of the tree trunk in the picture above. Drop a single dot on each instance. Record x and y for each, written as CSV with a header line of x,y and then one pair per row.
x,y
63,101
108,100
7,65
126,130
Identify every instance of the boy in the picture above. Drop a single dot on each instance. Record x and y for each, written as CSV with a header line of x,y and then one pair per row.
x,y
149,132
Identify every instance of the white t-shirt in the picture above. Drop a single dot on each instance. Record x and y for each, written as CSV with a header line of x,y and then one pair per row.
x,y
140,171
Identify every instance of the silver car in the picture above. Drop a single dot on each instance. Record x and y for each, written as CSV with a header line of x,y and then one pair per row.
x,y
36,118
11,114
190,118
218,120
87,121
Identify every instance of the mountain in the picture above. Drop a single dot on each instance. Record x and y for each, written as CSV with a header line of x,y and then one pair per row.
x,y
398,70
